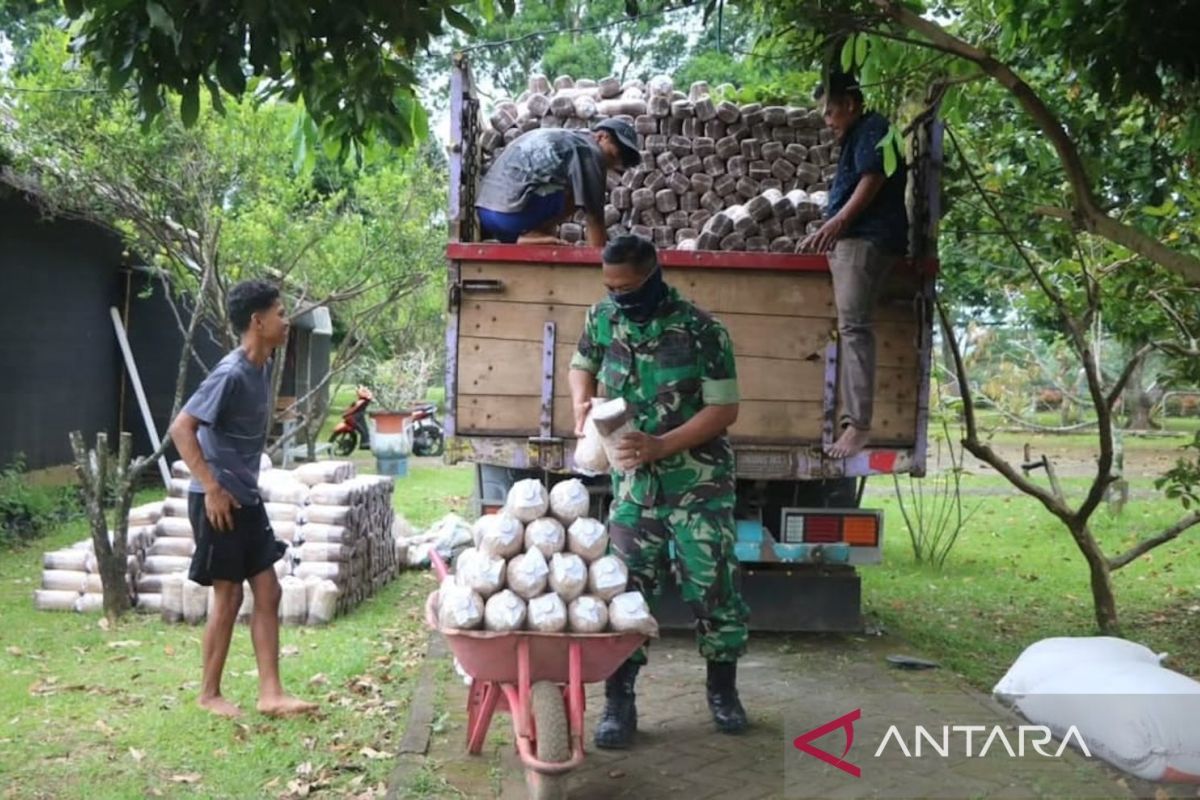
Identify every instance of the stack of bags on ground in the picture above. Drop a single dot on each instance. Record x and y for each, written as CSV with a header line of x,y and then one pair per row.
x,y
541,565
701,155
339,529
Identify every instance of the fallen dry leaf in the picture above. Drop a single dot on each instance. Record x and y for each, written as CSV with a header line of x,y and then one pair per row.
x,y
320,679
371,752
186,777
304,770
104,727
125,643
616,773
1161,794
103,624
289,650
136,755
169,650
13,650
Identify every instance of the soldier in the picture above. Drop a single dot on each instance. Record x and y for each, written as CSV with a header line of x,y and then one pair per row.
x,y
674,479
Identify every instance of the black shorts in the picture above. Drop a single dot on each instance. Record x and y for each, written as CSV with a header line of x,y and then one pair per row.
x,y
235,555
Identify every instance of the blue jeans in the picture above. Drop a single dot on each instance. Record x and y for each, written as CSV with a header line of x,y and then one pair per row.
x,y
507,226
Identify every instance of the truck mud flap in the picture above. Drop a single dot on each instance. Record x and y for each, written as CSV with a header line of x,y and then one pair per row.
x,y
783,599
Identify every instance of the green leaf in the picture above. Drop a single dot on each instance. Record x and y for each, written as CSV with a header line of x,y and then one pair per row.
x,y
848,54
189,106
460,21
160,19
488,9
860,50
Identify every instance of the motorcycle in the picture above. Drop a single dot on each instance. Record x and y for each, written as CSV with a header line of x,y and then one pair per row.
x,y
427,436
352,432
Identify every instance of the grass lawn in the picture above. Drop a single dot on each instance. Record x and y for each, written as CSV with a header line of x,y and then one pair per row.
x,y
110,714
96,713
1015,576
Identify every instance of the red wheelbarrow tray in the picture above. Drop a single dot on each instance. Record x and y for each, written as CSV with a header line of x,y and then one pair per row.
x,y
504,665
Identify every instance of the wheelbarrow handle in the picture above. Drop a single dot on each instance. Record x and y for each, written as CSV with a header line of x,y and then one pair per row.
x,y
439,566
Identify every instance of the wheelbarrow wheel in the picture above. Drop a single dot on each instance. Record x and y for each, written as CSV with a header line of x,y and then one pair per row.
x,y
553,741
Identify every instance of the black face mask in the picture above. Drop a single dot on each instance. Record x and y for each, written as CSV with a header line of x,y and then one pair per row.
x,y
640,304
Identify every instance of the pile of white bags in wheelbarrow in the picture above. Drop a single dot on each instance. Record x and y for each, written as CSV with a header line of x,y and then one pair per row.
x,y
541,565
1121,702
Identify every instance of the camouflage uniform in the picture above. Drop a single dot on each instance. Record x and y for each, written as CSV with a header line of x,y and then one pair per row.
x,y
668,369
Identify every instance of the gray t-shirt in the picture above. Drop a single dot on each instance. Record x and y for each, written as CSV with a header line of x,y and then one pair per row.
x,y
543,160
232,405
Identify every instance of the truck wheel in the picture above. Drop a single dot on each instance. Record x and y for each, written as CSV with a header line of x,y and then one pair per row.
x,y
553,741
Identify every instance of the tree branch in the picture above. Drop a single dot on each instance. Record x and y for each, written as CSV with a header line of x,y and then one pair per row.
x,y
1146,545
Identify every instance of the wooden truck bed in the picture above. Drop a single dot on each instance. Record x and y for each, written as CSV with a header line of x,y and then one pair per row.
x,y
505,358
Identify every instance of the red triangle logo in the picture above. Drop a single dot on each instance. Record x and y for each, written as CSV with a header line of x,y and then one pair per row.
x,y
803,742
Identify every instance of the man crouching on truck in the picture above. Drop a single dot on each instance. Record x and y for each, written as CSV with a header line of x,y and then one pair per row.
x,y
220,435
540,178
674,365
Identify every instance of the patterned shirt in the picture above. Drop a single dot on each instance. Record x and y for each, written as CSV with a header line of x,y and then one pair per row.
x,y
667,369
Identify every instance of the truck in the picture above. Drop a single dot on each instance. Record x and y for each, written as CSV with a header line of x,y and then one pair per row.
x,y
515,314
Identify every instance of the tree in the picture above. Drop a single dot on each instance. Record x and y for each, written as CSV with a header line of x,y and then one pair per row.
x,y
352,63
223,200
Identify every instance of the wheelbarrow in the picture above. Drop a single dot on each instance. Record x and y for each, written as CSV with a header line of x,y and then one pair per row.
x,y
538,679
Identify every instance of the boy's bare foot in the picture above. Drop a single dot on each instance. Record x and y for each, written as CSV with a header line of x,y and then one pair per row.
x,y
220,706
285,706
539,238
850,443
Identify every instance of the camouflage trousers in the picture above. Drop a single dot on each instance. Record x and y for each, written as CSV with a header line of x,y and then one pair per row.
x,y
704,564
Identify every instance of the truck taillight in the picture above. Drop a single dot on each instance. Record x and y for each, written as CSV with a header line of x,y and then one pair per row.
x,y
821,529
826,526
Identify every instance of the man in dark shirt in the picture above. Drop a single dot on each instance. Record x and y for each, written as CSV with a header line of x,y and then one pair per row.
x,y
865,233
544,174
220,435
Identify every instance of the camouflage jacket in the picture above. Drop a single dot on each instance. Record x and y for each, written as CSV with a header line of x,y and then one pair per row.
x,y
667,369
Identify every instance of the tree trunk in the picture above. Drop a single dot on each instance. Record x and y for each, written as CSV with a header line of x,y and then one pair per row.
x,y
1138,401
1104,601
92,469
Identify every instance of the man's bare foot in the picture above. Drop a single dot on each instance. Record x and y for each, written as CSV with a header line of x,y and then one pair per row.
x,y
220,706
850,443
539,238
285,706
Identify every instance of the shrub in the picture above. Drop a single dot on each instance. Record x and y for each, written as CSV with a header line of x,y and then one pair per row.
x,y
27,510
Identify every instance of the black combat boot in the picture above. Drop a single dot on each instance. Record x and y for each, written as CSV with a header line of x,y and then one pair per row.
x,y
619,721
727,710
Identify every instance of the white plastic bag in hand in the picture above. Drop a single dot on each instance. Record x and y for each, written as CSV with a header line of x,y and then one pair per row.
x,y
590,456
528,500
459,607
500,535
607,577
629,613
587,614
547,613
479,571
568,575
547,535
528,573
505,611
587,538
569,500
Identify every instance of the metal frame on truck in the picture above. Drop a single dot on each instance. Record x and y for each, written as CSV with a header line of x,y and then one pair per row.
x,y
514,314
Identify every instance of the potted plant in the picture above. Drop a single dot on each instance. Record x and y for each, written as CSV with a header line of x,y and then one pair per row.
x,y
401,382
